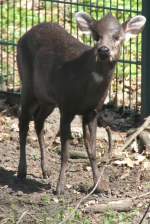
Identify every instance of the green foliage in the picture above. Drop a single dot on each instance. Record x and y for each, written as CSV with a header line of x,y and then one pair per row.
x,y
112,217
76,218
46,199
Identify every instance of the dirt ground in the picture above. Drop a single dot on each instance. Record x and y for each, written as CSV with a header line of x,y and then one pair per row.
x,y
34,200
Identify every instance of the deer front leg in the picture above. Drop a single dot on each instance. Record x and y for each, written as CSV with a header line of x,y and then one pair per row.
x,y
89,134
65,137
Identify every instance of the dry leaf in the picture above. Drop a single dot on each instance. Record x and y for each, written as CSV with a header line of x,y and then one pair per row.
x,y
55,200
68,186
88,168
146,165
124,175
129,162
139,158
119,162
134,146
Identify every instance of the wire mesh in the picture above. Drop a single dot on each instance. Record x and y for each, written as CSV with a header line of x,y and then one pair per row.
x,y
18,16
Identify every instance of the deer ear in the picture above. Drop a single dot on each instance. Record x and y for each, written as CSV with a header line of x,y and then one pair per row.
x,y
84,22
133,26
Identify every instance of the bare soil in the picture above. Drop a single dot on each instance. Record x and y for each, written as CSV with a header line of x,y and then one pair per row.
x,y
34,200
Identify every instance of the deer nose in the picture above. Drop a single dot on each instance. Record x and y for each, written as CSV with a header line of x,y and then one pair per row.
x,y
103,52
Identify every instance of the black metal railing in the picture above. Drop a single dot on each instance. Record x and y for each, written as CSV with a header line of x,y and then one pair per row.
x,y
18,16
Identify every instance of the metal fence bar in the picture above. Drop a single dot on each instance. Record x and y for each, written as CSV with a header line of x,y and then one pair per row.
x,y
146,62
1,49
93,6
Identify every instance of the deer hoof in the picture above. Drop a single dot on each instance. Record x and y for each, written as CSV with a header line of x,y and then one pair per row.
x,y
60,189
21,175
46,173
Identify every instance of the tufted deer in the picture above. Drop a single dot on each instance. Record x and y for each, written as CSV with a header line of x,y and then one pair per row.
x,y
57,70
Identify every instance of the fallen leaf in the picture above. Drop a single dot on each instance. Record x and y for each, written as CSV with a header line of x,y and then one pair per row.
x,y
68,186
129,162
119,162
139,158
88,168
91,202
134,146
146,165
124,175
55,200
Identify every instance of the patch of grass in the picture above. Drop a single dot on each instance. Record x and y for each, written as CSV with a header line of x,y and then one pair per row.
x,y
36,157
78,217
112,217
46,199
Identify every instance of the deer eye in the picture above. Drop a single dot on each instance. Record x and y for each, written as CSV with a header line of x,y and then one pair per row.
x,y
116,37
100,37
95,36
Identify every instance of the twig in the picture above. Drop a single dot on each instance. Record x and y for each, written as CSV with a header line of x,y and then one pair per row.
x,y
145,214
108,130
4,221
21,217
84,198
141,196
135,134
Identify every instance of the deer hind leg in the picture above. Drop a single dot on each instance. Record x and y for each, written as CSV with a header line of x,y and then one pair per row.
x,y
39,119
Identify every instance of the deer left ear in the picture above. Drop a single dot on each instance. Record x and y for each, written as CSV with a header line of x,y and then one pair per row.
x,y
84,22
133,26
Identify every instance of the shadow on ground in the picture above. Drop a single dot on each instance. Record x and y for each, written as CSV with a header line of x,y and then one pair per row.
x,y
26,186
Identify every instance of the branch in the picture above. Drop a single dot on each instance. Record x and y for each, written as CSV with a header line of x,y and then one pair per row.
x,y
135,134
21,217
122,205
144,214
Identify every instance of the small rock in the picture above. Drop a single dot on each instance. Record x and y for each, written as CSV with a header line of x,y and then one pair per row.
x,y
55,200
88,168
91,202
19,193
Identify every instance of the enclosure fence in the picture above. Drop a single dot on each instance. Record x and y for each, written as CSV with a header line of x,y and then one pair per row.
x,y
18,16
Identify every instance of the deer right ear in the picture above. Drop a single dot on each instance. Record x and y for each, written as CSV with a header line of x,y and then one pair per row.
x,y
134,26
84,22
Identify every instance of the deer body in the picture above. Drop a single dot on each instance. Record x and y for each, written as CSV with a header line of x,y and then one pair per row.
x,y
58,70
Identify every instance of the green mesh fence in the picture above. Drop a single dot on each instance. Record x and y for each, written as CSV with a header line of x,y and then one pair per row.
x,y
18,16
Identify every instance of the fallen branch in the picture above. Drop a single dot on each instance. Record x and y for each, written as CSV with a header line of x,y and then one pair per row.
x,y
135,134
75,154
119,206
84,198
123,205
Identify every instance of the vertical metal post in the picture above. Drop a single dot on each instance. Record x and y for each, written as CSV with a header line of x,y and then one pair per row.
x,y
146,61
